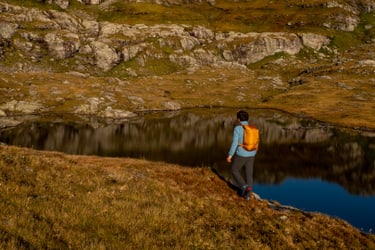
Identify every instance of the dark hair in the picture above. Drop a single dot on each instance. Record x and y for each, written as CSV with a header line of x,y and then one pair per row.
x,y
242,115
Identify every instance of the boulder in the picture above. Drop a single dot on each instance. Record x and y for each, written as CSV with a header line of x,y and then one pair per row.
x,y
22,106
188,43
6,122
171,105
136,101
62,46
90,28
107,29
202,33
7,30
346,22
183,60
116,113
64,20
314,41
91,2
131,51
106,56
263,45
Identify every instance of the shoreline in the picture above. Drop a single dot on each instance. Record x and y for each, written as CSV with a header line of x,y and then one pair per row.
x,y
5,119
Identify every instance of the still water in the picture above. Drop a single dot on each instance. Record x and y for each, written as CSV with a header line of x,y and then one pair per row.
x,y
301,162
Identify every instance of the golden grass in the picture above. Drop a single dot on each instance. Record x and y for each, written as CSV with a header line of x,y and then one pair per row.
x,y
338,95
242,16
328,94
51,200
204,87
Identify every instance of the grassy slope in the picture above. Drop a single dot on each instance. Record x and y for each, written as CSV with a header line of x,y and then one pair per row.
x,y
340,93
241,16
333,97
51,200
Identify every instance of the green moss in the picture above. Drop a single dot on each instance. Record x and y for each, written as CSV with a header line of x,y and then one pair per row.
x,y
368,18
158,67
33,4
152,67
11,58
307,53
223,16
148,13
122,70
266,60
345,40
367,26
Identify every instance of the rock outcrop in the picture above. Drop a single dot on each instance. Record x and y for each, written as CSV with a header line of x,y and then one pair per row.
x,y
41,34
21,107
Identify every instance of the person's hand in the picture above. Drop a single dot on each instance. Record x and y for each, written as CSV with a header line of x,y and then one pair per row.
x,y
229,158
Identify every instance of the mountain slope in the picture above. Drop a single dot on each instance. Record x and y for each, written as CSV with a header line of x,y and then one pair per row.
x,y
314,57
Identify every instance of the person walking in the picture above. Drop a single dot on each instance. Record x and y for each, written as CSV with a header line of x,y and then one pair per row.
x,y
240,157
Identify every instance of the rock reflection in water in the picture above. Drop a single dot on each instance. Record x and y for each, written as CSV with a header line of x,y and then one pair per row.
x,y
290,147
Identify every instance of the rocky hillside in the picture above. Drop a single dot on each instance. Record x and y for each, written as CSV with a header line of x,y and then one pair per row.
x,y
43,38
112,58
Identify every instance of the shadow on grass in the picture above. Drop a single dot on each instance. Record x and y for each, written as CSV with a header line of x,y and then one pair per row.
x,y
229,184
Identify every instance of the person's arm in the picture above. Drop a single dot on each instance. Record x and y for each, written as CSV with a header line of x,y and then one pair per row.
x,y
234,144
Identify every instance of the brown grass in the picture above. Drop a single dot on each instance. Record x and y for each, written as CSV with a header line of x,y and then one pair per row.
x,y
51,200
328,95
340,95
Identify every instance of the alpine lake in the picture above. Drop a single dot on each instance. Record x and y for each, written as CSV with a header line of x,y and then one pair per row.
x,y
307,164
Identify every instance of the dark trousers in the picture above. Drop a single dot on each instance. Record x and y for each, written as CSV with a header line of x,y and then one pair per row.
x,y
238,163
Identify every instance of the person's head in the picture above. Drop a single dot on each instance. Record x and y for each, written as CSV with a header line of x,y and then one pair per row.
x,y
242,116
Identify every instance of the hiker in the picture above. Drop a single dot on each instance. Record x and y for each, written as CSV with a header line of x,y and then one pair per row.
x,y
240,157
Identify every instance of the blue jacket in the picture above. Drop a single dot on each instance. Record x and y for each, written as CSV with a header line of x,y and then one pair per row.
x,y
238,139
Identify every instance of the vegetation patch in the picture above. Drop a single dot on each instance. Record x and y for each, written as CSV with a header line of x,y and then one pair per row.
x,y
367,27
149,13
345,40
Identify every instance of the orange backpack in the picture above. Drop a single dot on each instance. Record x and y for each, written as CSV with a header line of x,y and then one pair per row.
x,y
250,137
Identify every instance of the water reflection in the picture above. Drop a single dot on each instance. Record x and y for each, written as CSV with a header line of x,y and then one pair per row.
x,y
290,147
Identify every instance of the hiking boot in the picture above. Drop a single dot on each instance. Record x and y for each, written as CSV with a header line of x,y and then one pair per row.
x,y
248,193
243,191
